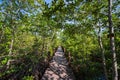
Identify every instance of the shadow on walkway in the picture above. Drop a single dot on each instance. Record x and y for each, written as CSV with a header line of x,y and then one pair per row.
x,y
58,68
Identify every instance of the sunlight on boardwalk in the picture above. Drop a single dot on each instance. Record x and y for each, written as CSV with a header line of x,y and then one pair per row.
x,y
58,69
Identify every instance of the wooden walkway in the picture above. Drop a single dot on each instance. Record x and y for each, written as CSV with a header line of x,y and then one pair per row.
x,y
58,68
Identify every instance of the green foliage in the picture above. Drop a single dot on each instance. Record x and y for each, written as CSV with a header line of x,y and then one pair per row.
x,y
3,62
28,78
38,27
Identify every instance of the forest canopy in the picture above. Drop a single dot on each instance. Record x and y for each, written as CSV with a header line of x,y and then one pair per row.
x,y
89,30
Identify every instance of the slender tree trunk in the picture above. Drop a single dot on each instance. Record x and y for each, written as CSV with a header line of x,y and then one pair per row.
x,y
1,37
112,41
53,35
43,45
10,52
103,53
1,34
11,47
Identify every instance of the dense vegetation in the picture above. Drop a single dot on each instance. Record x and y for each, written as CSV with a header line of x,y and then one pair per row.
x,y
31,29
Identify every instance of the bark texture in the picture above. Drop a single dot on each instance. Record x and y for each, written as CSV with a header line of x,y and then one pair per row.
x,y
112,40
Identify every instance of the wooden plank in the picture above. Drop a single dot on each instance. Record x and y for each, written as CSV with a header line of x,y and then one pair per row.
x,y
58,68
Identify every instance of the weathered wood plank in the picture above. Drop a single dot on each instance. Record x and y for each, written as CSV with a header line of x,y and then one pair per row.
x,y
58,68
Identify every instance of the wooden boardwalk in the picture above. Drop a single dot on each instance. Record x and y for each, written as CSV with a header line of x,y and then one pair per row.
x,y
58,68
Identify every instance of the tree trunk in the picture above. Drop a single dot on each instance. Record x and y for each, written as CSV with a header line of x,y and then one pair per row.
x,y
11,47
10,53
1,35
103,53
43,46
112,41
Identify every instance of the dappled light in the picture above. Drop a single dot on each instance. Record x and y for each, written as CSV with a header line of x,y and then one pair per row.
x,y
58,68
59,39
